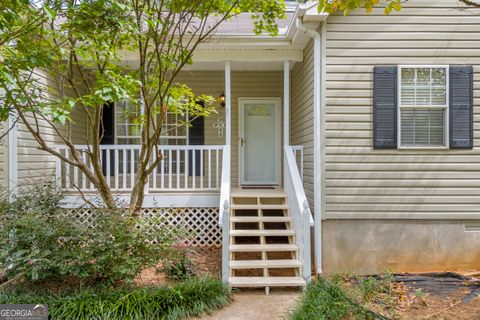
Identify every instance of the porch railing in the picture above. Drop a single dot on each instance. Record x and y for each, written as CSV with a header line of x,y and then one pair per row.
x,y
298,156
184,168
299,210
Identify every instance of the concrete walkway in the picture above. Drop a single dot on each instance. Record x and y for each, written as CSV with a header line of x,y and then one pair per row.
x,y
256,305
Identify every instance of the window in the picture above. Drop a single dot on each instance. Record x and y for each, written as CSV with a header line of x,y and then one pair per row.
x,y
128,128
423,106
174,131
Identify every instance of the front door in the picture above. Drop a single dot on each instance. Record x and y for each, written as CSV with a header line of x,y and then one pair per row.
x,y
259,142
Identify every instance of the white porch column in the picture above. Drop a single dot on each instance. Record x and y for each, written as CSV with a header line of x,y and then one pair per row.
x,y
286,103
12,156
228,105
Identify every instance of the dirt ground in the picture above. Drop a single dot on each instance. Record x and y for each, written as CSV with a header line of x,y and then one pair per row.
x,y
207,261
424,296
454,298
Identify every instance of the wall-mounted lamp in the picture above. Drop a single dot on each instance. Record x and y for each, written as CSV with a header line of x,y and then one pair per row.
x,y
222,99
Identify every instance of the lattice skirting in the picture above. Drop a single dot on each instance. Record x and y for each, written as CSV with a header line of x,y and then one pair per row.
x,y
200,223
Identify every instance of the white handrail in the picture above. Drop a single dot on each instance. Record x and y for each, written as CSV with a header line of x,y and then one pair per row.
x,y
224,212
298,155
184,168
299,210
225,184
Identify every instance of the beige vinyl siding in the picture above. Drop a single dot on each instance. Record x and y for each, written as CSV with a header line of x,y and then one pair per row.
x,y
35,164
301,115
366,183
245,84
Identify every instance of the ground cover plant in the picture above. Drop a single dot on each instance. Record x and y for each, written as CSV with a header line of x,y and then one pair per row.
x,y
188,298
327,299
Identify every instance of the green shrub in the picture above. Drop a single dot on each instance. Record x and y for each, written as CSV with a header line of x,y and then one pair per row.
x,y
42,242
180,268
190,298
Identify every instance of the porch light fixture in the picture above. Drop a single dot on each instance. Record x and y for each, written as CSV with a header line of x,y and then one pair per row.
x,y
222,99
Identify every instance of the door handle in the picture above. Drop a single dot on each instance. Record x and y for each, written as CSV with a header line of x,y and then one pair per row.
x,y
242,142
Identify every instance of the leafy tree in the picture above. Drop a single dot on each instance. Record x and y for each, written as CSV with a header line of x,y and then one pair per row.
x,y
81,45
345,6
18,17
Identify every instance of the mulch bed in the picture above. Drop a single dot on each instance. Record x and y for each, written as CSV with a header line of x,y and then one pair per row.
x,y
207,261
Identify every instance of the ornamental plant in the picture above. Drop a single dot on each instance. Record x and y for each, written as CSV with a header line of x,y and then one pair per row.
x,y
41,241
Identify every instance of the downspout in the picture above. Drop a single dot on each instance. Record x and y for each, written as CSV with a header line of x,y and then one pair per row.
x,y
317,163
12,157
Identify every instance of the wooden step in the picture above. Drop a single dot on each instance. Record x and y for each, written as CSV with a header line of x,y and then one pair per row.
x,y
259,206
261,219
257,264
258,233
266,282
262,247
258,193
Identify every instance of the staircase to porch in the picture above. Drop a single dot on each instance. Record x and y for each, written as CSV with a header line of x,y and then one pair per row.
x,y
266,232
263,250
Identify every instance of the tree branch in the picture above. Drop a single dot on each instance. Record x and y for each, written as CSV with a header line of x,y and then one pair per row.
x,y
471,3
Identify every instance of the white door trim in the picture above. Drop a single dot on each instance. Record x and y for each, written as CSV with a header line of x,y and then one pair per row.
x,y
278,133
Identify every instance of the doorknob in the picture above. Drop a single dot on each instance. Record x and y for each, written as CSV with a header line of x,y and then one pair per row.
x,y
242,142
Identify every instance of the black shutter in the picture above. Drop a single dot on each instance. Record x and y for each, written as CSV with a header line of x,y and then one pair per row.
x,y
196,136
385,107
461,107
108,130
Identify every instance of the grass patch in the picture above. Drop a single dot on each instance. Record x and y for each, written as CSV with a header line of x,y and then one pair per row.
x,y
189,298
327,300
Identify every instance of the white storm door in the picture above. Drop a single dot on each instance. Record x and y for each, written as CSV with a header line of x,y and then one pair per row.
x,y
259,141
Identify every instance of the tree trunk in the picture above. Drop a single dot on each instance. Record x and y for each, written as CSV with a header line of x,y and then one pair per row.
x,y
101,184
106,194
138,192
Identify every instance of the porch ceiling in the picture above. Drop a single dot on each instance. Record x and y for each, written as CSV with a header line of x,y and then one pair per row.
x,y
250,55
237,66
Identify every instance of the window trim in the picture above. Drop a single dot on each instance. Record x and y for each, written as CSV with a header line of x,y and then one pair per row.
x,y
446,125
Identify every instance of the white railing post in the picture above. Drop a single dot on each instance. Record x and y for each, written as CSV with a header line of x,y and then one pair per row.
x,y
225,183
224,211
307,261
225,241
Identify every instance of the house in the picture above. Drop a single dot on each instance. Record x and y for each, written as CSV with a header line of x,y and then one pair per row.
x,y
344,144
